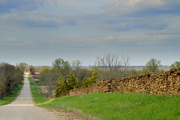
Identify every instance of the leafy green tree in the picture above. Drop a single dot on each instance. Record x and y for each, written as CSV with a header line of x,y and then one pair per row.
x,y
66,65
10,77
61,64
153,65
22,66
175,65
57,63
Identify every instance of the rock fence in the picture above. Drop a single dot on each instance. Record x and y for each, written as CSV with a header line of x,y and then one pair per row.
x,y
167,83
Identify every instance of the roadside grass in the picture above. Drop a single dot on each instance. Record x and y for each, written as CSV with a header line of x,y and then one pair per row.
x,y
12,96
38,98
117,106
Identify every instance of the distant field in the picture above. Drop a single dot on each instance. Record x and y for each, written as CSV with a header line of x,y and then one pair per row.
x,y
165,68
116,106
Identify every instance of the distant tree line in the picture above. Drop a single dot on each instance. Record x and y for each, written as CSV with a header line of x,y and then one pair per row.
x,y
64,76
10,77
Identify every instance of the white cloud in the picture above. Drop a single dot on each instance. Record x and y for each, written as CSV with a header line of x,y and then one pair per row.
x,y
123,15
12,39
143,7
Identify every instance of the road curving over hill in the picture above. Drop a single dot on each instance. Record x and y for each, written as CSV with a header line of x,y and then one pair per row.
x,y
23,108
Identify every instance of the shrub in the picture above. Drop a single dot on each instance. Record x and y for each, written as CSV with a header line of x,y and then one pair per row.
x,y
72,82
10,77
1,88
64,85
61,87
90,80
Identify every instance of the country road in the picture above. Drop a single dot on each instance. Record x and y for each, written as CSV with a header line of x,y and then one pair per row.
x,y
23,109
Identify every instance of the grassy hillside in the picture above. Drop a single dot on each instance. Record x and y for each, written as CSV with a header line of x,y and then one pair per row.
x,y
12,96
117,106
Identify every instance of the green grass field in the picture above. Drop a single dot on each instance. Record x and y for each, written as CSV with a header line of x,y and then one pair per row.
x,y
12,96
117,106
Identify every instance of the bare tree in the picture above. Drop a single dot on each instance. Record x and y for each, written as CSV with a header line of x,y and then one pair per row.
x,y
113,66
47,79
76,64
78,72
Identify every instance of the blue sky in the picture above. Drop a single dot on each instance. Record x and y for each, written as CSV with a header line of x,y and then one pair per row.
x,y
39,31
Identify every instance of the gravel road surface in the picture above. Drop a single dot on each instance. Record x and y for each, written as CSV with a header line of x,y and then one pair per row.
x,y
23,109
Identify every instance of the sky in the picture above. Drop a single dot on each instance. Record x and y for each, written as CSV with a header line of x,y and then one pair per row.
x,y
39,31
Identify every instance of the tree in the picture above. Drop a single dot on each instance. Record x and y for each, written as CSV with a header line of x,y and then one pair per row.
x,y
76,64
175,64
153,65
57,63
66,65
61,64
22,66
76,69
2,86
48,78
32,69
64,85
10,77
90,80
113,66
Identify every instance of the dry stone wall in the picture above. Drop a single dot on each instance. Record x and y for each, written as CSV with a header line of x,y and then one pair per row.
x,y
166,83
